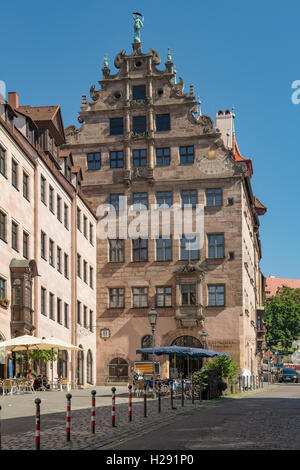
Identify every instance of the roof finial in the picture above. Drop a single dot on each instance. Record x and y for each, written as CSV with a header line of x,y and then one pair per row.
x,y
138,25
105,61
169,57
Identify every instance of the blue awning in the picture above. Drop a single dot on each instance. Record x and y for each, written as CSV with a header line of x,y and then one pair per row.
x,y
193,353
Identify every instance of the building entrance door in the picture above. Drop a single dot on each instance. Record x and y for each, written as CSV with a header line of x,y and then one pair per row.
x,y
118,369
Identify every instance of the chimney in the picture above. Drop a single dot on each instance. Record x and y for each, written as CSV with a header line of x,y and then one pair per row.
x,y
13,99
224,122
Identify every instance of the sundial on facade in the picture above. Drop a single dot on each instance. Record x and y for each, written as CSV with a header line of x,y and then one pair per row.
x,y
213,162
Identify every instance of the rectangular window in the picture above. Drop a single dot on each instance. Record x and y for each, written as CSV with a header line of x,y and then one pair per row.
x,y
163,296
216,296
58,259
66,266
163,122
164,199
25,185
140,249
116,298
91,235
3,222
51,199
188,294
116,159
85,271
79,219
189,197
116,251
78,312
2,288
14,173
66,315
163,249
51,306
43,245
91,278
59,319
140,297
117,201
25,245
66,216
78,265
14,236
91,320
58,211
140,201
189,248
163,156
213,197
139,124
43,301
85,316
139,157
216,246
187,154
85,226
116,126
2,162
51,252
43,189
139,92
94,161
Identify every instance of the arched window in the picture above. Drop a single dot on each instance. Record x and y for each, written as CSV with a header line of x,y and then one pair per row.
x,y
185,365
80,366
62,364
187,341
89,367
146,343
118,369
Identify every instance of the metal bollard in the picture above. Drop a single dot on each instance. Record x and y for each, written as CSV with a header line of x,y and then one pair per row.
x,y
37,424
93,414
130,403
159,397
113,407
171,396
145,401
68,416
182,391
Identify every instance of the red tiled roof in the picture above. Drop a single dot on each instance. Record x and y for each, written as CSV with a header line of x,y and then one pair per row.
x,y
273,283
39,113
259,207
239,158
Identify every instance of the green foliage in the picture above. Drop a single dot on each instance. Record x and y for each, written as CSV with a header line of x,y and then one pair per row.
x,y
43,355
282,317
225,367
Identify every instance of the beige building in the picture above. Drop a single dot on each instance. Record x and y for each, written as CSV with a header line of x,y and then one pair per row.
x,y
40,209
142,137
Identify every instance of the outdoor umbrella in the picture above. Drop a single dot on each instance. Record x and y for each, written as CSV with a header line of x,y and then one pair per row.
x,y
181,351
23,343
58,345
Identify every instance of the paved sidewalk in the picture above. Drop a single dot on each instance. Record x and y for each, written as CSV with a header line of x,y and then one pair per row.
x,y
18,421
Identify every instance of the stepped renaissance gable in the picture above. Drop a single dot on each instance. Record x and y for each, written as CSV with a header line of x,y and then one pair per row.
x,y
142,136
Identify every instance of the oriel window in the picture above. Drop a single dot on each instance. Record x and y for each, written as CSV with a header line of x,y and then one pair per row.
x,y
139,157
188,294
139,124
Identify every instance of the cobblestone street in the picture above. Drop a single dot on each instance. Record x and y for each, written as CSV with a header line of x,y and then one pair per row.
x,y
268,419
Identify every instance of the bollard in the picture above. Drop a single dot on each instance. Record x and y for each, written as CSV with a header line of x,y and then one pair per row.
x,y
145,400
37,424
68,416
182,391
171,396
113,407
130,403
93,415
159,398
193,393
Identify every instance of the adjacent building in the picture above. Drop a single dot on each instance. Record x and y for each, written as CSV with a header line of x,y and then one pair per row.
x,y
142,143
274,283
45,218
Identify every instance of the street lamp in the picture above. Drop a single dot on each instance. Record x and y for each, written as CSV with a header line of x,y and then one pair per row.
x,y
204,336
152,317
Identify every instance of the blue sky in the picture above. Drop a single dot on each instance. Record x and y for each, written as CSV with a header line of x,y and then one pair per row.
x,y
235,53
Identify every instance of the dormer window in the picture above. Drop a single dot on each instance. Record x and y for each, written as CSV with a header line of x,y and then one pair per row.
x,y
30,132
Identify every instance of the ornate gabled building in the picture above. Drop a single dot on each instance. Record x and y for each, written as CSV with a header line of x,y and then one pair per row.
x,y
143,138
